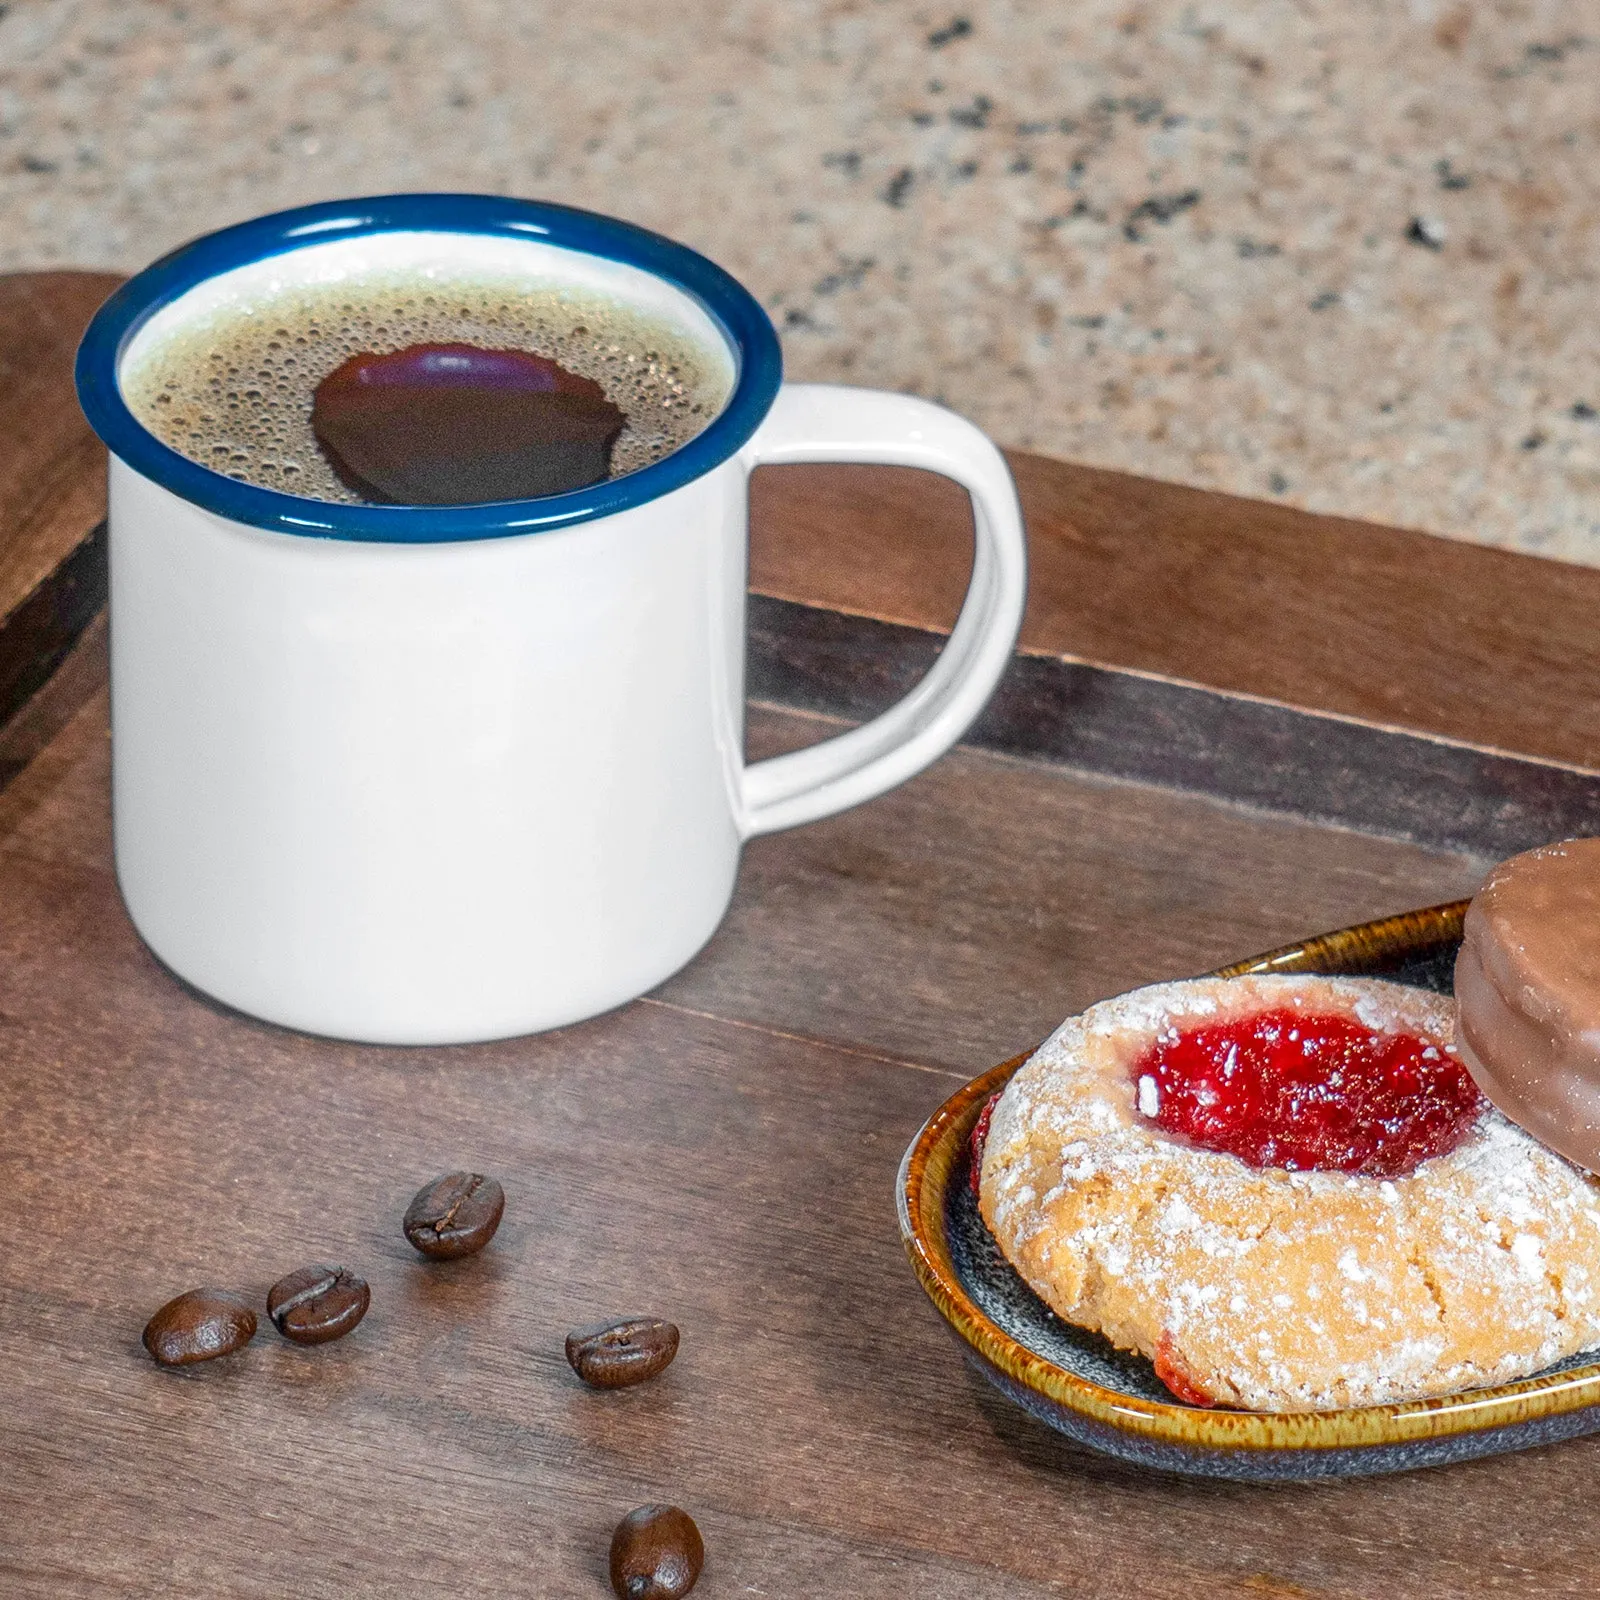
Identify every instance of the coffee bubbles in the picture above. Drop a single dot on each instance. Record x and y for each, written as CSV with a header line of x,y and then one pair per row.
x,y
235,390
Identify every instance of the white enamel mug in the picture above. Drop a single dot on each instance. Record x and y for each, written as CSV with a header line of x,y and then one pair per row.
x,y
429,775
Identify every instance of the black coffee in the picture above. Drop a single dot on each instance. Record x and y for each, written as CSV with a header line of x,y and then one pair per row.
x,y
414,391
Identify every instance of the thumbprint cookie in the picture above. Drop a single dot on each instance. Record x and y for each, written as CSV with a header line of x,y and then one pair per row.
x,y
1289,1194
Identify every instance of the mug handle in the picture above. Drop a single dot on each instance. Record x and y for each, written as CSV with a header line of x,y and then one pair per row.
x,y
832,422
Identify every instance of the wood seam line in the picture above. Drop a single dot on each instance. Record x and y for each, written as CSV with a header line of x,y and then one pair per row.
x,y
805,1039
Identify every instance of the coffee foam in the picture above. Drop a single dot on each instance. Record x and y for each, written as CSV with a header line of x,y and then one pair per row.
x,y
227,376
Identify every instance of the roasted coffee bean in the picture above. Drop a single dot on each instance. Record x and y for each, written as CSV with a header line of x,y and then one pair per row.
x,y
656,1554
613,1355
455,1215
199,1326
317,1304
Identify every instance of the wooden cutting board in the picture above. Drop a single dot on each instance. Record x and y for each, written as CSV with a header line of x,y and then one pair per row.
x,y
722,1152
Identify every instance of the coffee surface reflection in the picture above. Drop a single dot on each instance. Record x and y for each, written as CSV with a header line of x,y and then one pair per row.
x,y
454,424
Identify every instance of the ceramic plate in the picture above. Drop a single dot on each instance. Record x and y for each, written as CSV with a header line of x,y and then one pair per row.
x,y
1082,1385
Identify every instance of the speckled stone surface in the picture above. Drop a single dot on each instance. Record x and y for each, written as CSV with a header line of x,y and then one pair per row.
x,y
1337,252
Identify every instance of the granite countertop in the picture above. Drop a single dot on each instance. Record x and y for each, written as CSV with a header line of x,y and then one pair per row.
x,y
1341,253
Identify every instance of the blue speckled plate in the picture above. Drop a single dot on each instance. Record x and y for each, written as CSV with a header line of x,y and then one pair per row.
x,y
1080,1384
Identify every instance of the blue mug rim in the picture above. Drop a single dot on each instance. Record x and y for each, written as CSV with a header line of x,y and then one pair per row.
x,y
752,340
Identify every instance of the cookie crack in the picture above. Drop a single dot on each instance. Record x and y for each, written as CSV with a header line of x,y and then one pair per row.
x,y
1430,1282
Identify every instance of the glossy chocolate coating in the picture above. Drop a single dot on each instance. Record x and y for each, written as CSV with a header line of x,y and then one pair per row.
x,y
1528,994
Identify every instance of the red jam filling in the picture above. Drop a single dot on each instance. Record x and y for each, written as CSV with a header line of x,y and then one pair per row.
x,y
1319,1093
1171,1373
980,1137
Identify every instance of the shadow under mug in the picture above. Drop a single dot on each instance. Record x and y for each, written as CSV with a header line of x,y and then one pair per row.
x,y
432,775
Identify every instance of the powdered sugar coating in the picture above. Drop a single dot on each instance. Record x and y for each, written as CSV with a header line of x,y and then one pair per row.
x,y
1277,1290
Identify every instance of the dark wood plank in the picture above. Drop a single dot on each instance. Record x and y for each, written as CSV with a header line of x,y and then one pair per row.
x,y
74,678
1389,626
52,480
700,1153
1135,725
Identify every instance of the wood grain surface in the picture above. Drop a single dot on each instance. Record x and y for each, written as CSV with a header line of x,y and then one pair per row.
x,y
1389,626
52,483
722,1153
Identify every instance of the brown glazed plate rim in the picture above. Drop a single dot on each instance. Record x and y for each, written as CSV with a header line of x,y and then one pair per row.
x,y
936,1154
